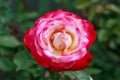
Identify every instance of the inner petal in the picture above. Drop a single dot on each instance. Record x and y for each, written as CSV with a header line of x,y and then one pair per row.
x,y
62,41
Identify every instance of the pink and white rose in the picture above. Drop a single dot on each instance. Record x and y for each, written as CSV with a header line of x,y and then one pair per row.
x,y
60,40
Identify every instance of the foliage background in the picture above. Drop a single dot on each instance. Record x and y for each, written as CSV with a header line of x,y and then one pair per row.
x,y
17,16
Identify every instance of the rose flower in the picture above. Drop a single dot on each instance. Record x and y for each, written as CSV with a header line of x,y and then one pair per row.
x,y
59,41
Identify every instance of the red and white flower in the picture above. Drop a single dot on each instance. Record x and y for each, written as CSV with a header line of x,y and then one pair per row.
x,y
59,41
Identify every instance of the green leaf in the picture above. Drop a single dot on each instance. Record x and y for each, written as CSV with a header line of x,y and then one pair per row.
x,y
112,44
58,1
113,8
103,35
42,6
79,75
117,40
6,64
23,60
116,30
5,51
101,23
34,72
113,56
27,16
8,41
91,12
81,4
66,78
117,73
111,22
94,71
54,75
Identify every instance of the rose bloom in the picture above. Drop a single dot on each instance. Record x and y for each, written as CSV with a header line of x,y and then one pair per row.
x,y
59,41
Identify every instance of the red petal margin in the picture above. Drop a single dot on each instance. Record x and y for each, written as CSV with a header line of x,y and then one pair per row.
x,y
82,63
29,43
29,38
58,13
88,26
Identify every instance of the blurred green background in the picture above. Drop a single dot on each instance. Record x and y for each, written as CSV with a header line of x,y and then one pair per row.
x,y
17,16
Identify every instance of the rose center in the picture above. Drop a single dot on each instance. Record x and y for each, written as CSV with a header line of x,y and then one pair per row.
x,y
62,41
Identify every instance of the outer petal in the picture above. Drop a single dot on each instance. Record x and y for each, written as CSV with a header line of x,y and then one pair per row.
x,y
60,13
29,41
89,28
29,38
62,66
73,65
82,63
40,59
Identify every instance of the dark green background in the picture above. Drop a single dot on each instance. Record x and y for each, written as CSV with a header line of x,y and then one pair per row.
x,y
17,16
